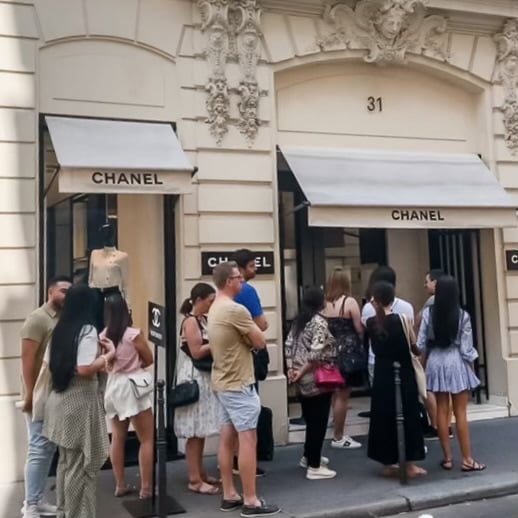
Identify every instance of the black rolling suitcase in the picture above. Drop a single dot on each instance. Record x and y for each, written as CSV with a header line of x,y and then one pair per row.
x,y
265,435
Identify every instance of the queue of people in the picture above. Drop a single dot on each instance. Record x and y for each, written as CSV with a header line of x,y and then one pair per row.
x,y
74,377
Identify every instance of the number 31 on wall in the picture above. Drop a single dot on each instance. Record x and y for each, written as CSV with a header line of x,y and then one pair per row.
x,y
375,104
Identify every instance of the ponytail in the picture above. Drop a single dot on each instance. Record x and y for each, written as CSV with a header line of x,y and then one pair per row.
x,y
383,294
186,307
201,290
380,317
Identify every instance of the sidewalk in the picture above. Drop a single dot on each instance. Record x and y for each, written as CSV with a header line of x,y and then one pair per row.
x,y
356,492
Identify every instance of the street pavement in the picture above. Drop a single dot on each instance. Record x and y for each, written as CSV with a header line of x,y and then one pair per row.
x,y
505,507
358,491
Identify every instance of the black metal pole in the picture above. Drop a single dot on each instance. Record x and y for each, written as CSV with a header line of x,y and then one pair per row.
x,y
161,453
400,423
155,399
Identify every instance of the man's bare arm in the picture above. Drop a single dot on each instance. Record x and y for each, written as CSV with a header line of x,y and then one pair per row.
x,y
261,322
256,337
29,352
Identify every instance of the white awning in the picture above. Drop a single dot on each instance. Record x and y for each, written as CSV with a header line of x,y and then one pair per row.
x,y
98,155
382,189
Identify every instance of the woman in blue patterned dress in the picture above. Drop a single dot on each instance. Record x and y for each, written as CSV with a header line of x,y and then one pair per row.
x,y
446,337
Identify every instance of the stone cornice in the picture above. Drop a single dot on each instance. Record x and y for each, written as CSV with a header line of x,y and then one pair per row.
x,y
474,16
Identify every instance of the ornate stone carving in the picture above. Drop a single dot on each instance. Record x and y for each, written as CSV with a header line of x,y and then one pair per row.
x,y
233,34
389,29
248,110
218,107
507,73
248,37
216,25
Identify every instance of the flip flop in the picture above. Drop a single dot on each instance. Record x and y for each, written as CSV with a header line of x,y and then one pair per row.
x,y
124,491
474,466
204,489
420,472
390,471
213,481
446,464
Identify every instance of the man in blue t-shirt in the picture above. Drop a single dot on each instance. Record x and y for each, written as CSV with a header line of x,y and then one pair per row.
x,y
248,297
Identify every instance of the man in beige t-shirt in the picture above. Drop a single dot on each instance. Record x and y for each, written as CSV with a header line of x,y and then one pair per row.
x,y
232,335
35,336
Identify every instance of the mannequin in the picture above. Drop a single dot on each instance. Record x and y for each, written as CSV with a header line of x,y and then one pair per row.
x,y
109,270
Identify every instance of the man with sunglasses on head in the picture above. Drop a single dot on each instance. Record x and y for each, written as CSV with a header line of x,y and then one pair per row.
x,y
232,335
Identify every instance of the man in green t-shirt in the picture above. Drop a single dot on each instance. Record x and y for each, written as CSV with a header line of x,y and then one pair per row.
x,y
35,335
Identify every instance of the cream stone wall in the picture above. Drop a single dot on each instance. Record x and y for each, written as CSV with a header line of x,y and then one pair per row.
x,y
148,59
18,215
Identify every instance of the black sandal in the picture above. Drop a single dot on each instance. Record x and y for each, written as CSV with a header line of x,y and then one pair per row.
x,y
446,464
474,466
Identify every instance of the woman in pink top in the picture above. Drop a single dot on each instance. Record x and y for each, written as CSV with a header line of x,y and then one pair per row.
x,y
121,402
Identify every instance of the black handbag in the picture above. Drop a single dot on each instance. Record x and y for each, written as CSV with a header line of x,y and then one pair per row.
x,y
351,355
202,364
184,394
261,362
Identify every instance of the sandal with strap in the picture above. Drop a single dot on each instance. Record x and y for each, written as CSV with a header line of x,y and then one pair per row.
x,y
474,466
124,491
204,489
446,464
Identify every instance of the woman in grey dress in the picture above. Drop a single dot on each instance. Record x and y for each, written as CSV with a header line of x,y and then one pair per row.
x,y
446,338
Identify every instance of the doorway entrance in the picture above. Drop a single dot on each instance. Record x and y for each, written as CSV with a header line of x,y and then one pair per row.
x,y
309,254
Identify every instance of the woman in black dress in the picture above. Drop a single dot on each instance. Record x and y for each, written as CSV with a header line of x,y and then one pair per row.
x,y
390,345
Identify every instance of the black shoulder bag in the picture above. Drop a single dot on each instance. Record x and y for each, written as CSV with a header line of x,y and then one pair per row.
x,y
202,364
185,393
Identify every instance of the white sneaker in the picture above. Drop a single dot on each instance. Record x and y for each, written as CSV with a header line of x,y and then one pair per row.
x,y
44,509
320,473
324,461
346,442
31,511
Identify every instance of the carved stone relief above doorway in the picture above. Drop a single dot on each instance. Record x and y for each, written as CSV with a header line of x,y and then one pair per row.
x,y
388,29
233,35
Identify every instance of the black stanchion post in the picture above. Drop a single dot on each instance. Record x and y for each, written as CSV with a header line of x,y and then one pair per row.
x,y
400,423
161,444
155,400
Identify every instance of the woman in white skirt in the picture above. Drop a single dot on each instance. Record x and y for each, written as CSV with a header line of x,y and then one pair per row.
x,y
126,398
201,419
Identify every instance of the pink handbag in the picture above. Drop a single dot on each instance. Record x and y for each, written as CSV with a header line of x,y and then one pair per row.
x,y
328,377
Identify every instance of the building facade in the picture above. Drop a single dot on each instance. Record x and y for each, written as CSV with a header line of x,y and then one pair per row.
x,y
265,97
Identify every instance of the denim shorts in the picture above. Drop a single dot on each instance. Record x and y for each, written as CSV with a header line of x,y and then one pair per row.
x,y
241,408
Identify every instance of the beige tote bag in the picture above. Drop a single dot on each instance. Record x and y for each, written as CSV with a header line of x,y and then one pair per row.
x,y
420,376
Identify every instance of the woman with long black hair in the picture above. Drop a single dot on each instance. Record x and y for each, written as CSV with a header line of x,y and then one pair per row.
x,y
308,344
446,337
74,415
390,344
